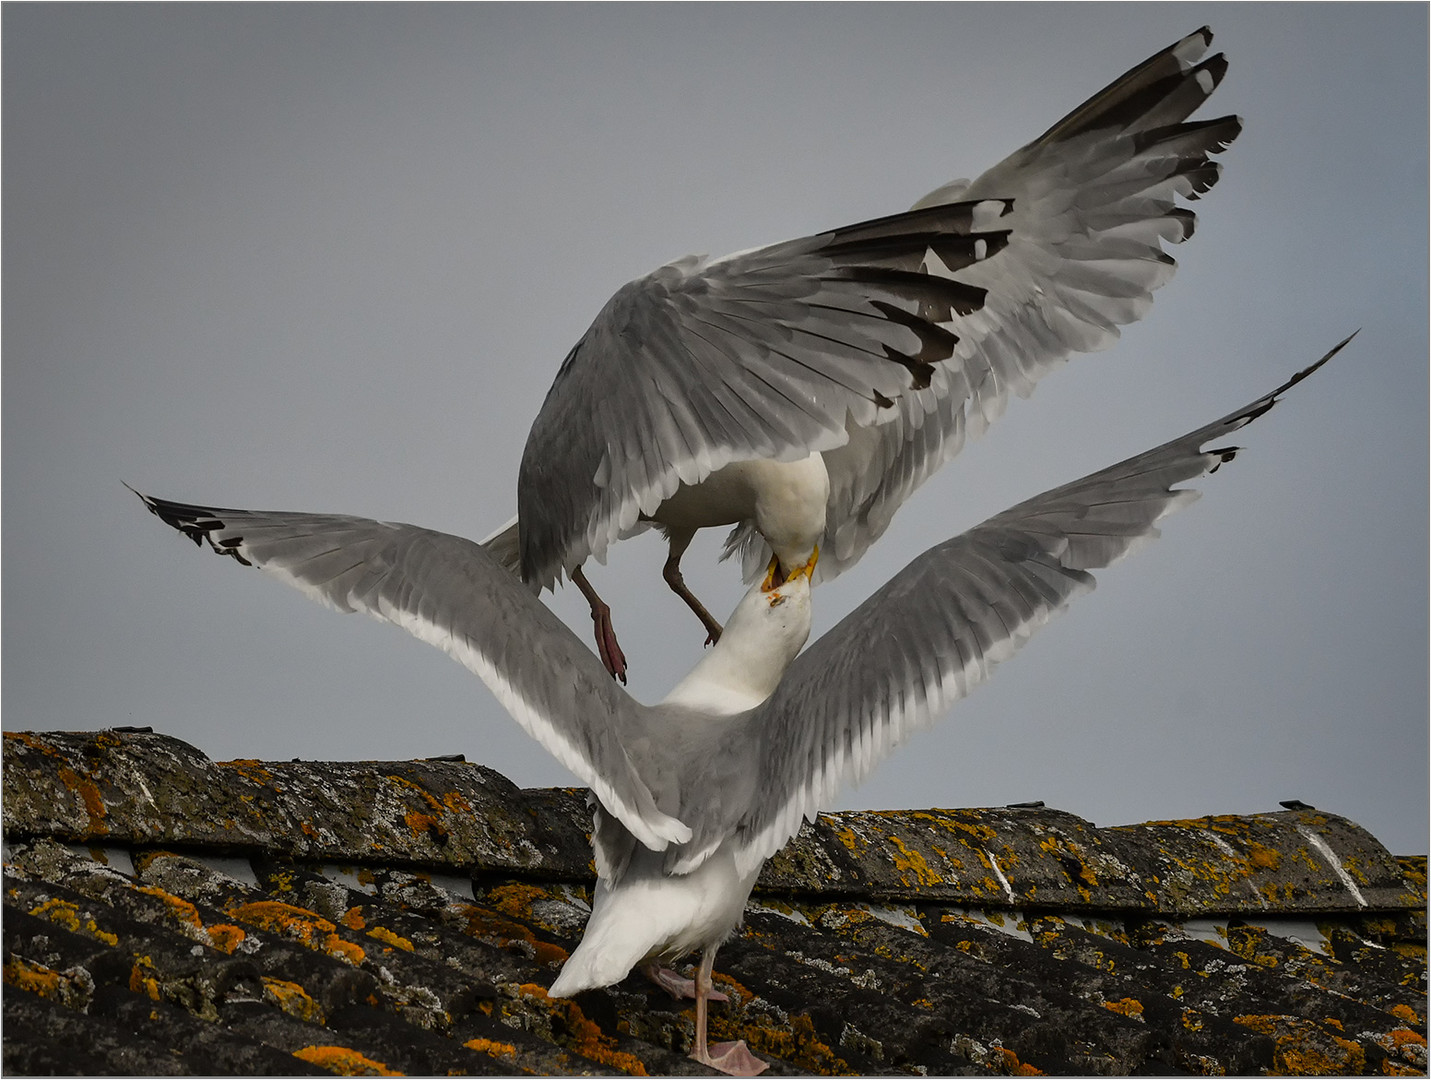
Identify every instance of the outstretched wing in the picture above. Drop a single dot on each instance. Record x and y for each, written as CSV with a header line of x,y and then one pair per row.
x,y
450,593
1094,199
934,631
766,354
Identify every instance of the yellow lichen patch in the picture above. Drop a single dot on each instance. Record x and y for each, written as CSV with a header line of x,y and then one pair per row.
x,y
1127,1006
181,909
738,992
307,927
142,983
424,824
346,951
515,899
907,861
66,914
1192,1020
249,769
59,911
846,836
582,1035
88,791
32,741
456,802
31,977
495,929
1263,857
1304,1048
1405,1012
224,936
387,937
1406,1037
353,918
795,1042
343,1061
1014,1066
292,999
491,1047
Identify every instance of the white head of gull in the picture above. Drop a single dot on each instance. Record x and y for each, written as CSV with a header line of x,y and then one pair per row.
x,y
802,391
692,795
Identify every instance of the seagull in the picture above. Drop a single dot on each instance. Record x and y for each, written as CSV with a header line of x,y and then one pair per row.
x,y
693,794
802,391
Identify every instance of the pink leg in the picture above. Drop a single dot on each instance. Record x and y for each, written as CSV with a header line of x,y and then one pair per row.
x,y
606,646
732,1058
672,573
676,985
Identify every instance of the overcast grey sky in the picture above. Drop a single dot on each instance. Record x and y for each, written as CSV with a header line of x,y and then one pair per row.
x,y
329,258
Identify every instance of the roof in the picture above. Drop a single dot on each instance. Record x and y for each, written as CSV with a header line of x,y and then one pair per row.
x,y
168,914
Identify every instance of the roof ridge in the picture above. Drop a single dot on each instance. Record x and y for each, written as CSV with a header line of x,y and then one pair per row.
x,y
139,789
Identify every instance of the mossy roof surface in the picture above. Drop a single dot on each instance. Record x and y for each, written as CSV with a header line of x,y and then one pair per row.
x,y
168,914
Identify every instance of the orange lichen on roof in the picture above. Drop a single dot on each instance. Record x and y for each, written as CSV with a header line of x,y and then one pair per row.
x,y
491,1047
1405,1012
1305,1048
304,926
515,898
1406,1037
582,1036
225,936
292,999
250,769
27,975
387,937
179,908
1014,1066
907,861
794,1041
456,802
59,911
89,794
1127,1006
495,929
353,918
424,824
139,982
343,1061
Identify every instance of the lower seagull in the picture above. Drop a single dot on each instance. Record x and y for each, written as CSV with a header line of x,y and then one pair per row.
x,y
693,794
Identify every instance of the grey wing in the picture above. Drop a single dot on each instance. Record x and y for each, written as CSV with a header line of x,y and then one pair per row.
x,y
1093,202
770,353
935,630
450,593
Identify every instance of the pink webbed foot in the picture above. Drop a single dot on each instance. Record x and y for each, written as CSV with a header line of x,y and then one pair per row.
x,y
678,986
733,1059
610,652
606,644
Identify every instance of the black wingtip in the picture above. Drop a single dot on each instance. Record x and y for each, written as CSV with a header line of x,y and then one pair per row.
x,y
1265,403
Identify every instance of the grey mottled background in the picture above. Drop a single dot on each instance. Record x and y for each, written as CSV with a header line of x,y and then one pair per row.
x,y
329,258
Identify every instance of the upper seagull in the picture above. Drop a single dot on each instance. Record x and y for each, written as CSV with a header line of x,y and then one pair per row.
x,y
804,390
693,794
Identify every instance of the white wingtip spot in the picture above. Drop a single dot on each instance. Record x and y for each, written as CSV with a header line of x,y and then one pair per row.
x,y
1205,82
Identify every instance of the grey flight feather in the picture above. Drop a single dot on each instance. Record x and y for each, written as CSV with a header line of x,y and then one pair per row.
x,y
936,629
448,592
